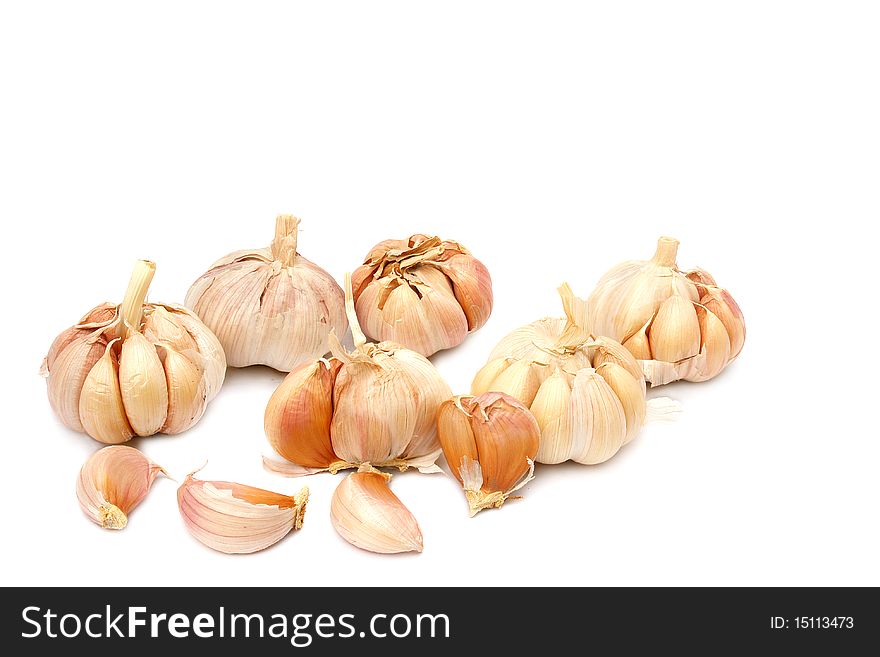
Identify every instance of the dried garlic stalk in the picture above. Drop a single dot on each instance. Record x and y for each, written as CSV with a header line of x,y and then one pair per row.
x,y
112,482
490,442
134,369
680,325
375,405
424,293
270,306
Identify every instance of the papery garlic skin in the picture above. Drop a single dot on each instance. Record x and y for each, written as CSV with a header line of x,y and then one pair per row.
x,y
587,393
270,306
383,411
134,369
237,519
490,442
424,293
112,482
368,515
679,324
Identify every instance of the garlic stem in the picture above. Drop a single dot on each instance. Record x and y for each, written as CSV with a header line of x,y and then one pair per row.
x,y
284,245
132,308
667,249
356,333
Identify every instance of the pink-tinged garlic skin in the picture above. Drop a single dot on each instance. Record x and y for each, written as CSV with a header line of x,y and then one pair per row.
x,y
679,324
135,368
270,306
113,482
237,519
424,293
368,515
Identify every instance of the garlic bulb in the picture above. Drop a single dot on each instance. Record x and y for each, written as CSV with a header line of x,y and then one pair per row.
x,y
376,405
424,293
679,324
490,443
112,482
368,515
270,306
238,519
134,369
587,393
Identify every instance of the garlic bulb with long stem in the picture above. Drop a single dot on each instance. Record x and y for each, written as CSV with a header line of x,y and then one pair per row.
x,y
679,324
113,482
270,306
135,368
424,293
490,443
586,392
374,405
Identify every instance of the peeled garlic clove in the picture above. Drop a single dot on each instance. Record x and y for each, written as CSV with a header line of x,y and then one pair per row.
x,y
67,374
490,443
143,386
238,519
270,306
298,416
552,410
630,393
675,332
187,394
101,409
113,482
598,416
368,515
423,293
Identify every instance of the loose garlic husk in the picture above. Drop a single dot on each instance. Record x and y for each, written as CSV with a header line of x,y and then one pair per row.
x,y
134,369
423,293
587,393
368,515
238,519
679,325
376,405
270,306
113,482
490,442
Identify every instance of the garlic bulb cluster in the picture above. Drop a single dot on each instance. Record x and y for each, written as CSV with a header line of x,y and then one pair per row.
x,y
490,443
587,393
135,368
238,519
270,306
423,293
375,405
113,482
679,324
368,515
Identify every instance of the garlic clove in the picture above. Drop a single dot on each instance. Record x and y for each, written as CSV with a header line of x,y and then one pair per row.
x,y
213,358
238,519
187,395
715,348
457,437
472,286
368,515
112,482
485,378
598,420
638,344
519,380
631,394
160,325
428,391
298,416
69,370
551,408
142,384
675,332
605,350
101,409
722,305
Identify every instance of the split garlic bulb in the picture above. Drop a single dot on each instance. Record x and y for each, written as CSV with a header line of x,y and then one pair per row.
x,y
490,442
270,306
376,405
135,368
424,293
587,393
679,324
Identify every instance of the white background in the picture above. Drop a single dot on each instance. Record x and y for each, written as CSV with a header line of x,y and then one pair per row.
x,y
554,140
